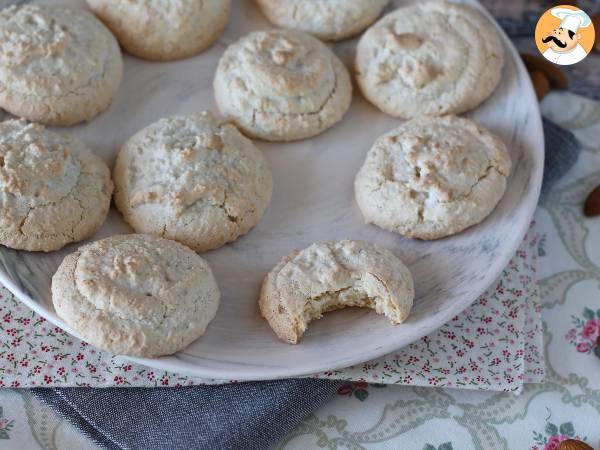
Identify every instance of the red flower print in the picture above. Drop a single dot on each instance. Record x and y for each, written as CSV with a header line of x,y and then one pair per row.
x,y
15,384
346,389
164,381
24,362
150,376
10,357
583,347
6,318
45,348
591,329
11,331
554,441
79,356
25,321
47,379
119,380
127,368
37,369
61,371
92,368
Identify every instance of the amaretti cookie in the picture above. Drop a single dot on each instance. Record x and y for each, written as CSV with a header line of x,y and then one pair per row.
x,y
333,275
53,189
163,30
432,177
58,65
136,295
330,20
282,85
430,58
195,179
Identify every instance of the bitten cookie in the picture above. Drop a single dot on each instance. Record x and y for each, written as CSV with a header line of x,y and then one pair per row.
x,y
432,177
431,58
194,179
58,65
136,295
330,20
334,275
282,85
163,30
53,189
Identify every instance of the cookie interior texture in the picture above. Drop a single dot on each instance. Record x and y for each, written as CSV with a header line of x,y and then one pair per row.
x,y
53,189
58,65
432,177
329,276
431,58
329,20
195,179
164,30
282,85
136,295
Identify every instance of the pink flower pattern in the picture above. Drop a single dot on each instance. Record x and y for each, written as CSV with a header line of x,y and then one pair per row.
x,y
585,332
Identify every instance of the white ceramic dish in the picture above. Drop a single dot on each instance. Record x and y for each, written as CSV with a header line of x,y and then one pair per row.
x,y
312,201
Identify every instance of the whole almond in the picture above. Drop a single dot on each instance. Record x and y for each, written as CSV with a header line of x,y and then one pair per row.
x,y
541,84
591,206
572,444
557,78
596,22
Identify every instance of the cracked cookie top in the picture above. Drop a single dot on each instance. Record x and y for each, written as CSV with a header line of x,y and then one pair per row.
x,y
53,189
136,294
195,179
57,65
431,58
432,177
325,19
282,85
163,29
334,275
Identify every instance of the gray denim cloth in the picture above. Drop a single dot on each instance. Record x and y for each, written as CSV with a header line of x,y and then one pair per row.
x,y
236,416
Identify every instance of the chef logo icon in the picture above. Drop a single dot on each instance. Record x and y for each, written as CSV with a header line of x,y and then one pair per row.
x,y
564,35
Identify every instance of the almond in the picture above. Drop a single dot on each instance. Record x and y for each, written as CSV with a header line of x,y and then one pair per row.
x,y
572,444
541,84
557,78
596,22
591,207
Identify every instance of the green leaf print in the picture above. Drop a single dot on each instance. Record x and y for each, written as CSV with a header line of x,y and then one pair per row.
x,y
4,434
551,429
446,446
588,313
567,428
429,447
361,394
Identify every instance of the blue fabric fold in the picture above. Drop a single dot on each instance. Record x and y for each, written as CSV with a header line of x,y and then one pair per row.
x,y
234,416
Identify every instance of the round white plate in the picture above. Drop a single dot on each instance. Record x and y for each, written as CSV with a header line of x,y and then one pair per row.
x,y
313,200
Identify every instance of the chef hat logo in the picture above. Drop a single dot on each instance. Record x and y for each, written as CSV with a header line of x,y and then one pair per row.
x,y
565,35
